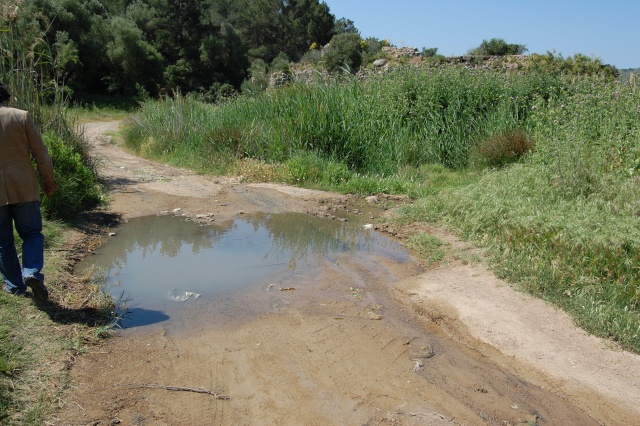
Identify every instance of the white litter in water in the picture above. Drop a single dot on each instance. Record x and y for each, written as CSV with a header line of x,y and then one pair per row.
x,y
368,226
182,296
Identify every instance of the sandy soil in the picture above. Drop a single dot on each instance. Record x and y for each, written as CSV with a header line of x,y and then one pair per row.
x,y
448,345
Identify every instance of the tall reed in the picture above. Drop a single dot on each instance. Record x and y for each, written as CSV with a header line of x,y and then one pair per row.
x,y
378,126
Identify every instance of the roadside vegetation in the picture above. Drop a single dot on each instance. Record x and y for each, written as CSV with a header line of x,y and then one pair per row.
x,y
542,168
39,340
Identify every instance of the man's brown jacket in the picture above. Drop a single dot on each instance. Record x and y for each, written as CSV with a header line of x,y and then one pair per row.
x,y
19,141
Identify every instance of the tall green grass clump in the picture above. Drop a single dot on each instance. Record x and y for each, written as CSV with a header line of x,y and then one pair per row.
x,y
407,118
565,223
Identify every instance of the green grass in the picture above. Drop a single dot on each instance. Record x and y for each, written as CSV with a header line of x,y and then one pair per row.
x,y
376,127
565,223
28,390
543,170
36,340
102,108
428,247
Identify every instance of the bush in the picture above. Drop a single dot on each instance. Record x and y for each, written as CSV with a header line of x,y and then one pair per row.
x,y
498,47
430,52
577,65
78,187
372,49
258,79
344,50
504,148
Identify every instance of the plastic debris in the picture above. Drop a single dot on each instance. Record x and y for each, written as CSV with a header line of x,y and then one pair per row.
x,y
182,296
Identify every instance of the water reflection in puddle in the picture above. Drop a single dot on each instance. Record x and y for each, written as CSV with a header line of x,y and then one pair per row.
x,y
157,263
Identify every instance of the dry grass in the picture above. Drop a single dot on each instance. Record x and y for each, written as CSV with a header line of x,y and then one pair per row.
x,y
251,170
504,148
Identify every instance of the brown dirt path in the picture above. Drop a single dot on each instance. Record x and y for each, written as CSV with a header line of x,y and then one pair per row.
x,y
452,345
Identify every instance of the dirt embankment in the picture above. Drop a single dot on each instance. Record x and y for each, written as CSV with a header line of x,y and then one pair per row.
x,y
452,345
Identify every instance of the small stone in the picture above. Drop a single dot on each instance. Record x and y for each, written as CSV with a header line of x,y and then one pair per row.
x,y
373,316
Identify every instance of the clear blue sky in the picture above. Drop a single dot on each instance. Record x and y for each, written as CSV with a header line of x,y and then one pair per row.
x,y
605,29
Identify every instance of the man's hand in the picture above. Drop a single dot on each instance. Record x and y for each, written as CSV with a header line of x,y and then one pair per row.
x,y
50,189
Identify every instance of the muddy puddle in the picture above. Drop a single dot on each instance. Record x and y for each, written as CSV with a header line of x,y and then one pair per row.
x,y
247,283
160,265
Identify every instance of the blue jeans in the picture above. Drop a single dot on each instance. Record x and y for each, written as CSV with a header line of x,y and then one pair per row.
x,y
28,223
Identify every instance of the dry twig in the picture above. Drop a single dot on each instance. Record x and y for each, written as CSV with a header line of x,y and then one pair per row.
x,y
183,389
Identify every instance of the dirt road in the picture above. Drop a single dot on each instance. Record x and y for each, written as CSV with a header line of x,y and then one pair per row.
x,y
451,345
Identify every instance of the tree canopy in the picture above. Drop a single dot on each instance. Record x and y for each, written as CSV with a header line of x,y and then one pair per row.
x,y
154,46
213,47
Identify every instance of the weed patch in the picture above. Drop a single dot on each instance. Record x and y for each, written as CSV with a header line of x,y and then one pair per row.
x,y
428,247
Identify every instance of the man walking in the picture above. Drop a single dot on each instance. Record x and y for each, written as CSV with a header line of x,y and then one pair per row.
x,y
20,199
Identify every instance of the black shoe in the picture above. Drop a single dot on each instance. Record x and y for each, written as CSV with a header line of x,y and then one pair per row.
x,y
18,292
40,291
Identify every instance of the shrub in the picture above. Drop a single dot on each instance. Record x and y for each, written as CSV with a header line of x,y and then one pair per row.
x,y
372,48
344,50
504,148
577,65
78,187
498,47
430,52
258,79
226,92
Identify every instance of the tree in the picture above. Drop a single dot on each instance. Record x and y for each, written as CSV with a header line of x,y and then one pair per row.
x,y
77,22
134,62
260,25
429,52
223,55
344,49
305,22
498,47
345,26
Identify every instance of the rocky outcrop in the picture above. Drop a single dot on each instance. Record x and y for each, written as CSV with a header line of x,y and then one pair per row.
x,y
399,52
396,57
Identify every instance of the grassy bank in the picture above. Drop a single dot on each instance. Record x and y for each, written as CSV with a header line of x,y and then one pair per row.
x,y
565,224
39,341
542,169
